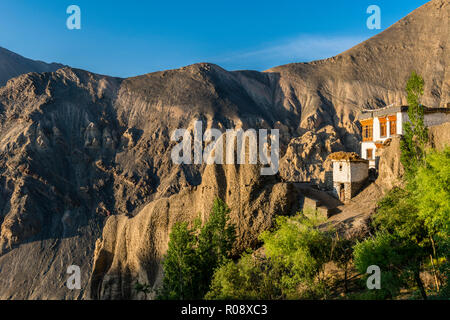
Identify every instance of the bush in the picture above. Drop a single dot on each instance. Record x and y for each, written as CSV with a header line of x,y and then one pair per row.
x,y
380,251
195,253
247,279
432,193
295,254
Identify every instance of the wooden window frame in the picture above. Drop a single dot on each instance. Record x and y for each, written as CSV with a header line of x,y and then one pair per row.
x,y
383,127
392,125
367,130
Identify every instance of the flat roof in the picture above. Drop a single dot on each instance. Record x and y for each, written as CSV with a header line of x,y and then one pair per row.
x,y
346,156
380,112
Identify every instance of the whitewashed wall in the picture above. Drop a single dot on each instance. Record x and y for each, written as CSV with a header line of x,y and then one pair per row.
x,y
376,129
401,118
341,175
351,171
367,145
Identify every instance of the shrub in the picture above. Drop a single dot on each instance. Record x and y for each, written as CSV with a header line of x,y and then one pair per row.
x,y
195,253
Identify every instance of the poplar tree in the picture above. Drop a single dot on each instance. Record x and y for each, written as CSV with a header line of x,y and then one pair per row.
x,y
415,135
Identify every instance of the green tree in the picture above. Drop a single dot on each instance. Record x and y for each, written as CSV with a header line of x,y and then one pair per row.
x,y
295,253
397,214
399,261
301,251
194,254
215,243
431,193
249,278
417,220
342,254
181,271
415,135
400,245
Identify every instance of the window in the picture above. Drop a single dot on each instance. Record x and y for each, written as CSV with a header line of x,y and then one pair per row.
x,y
367,129
340,167
367,133
383,127
369,154
393,125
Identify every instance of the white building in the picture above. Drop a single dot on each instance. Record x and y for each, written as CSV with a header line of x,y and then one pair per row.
x,y
350,173
381,124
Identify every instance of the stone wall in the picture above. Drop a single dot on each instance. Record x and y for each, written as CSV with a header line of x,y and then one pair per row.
x,y
351,189
359,171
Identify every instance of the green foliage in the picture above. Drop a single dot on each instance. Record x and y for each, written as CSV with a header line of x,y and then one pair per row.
x,y
412,227
247,279
142,287
195,253
397,214
342,254
399,247
295,254
181,271
215,242
415,135
432,193
443,251
385,252
301,250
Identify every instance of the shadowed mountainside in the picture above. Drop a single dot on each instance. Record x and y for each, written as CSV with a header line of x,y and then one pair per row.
x,y
13,65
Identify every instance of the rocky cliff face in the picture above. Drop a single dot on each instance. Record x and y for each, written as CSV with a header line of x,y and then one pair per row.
x,y
131,248
76,148
13,65
354,218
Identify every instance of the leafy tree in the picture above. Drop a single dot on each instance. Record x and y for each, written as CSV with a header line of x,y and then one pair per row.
x,y
415,135
399,261
215,242
295,255
181,271
194,253
417,220
301,250
397,214
378,251
249,278
342,254
432,193
400,245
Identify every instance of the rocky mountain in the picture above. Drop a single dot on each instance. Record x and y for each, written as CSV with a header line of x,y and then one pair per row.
x,y
13,65
86,176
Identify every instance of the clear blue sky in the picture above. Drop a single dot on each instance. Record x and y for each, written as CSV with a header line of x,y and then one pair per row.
x,y
126,38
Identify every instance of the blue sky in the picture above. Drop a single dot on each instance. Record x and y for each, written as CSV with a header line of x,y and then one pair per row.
x,y
127,38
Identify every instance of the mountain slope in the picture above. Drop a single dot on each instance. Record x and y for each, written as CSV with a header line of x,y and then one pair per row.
x,y
13,65
374,72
